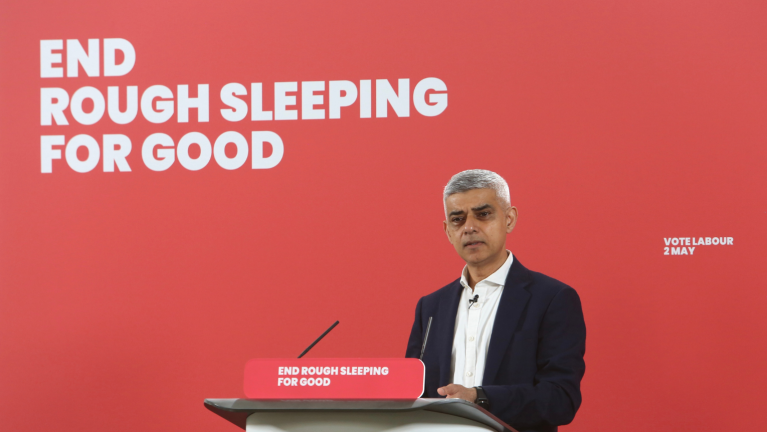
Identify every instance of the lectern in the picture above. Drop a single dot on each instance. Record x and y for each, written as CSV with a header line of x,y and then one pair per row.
x,y
451,415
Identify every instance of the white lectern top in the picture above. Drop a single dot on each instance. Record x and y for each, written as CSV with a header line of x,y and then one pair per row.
x,y
465,415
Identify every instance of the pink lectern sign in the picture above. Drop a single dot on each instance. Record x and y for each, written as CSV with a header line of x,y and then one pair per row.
x,y
359,378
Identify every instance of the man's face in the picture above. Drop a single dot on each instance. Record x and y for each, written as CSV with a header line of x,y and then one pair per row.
x,y
477,224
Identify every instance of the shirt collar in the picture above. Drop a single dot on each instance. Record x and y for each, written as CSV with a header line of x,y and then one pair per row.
x,y
497,278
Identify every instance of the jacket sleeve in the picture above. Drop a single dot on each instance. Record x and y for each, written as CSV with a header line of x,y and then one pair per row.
x,y
416,334
554,396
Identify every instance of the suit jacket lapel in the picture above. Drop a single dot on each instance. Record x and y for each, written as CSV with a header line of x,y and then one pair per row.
x,y
512,303
445,320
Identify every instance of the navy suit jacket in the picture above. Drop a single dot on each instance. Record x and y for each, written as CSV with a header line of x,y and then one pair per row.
x,y
534,362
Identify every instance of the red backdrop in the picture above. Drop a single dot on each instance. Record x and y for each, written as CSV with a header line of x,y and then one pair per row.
x,y
126,298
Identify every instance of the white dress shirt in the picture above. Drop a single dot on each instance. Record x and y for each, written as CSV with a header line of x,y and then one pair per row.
x,y
474,325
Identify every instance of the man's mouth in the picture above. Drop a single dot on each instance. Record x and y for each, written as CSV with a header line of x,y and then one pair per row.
x,y
472,244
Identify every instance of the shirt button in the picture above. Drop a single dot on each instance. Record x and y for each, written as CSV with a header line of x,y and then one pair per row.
x,y
471,338
468,374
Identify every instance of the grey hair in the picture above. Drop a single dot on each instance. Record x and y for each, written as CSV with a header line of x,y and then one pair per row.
x,y
478,179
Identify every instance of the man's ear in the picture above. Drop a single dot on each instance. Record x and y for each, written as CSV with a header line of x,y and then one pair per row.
x,y
444,227
511,218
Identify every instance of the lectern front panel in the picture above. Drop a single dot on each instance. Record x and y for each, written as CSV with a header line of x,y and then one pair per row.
x,y
345,421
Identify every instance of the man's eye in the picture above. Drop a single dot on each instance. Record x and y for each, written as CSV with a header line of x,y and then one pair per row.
x,y
457,219
484,214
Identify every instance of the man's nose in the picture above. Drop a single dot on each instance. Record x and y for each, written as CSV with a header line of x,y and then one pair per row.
x,y
469,228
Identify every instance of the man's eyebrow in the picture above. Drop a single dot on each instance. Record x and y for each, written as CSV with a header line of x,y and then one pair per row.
x,y
482,207
456,212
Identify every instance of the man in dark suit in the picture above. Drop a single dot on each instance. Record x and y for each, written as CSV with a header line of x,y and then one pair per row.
x,y
507,338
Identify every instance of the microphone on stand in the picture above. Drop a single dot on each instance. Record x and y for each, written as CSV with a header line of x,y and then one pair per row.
x,y
425,338
318,339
